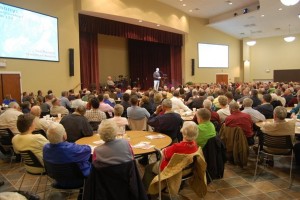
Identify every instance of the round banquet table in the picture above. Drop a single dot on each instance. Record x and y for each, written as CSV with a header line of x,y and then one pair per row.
x,y
134,137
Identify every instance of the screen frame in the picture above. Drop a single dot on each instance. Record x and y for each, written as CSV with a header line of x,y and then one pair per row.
x,y
57,28
213,44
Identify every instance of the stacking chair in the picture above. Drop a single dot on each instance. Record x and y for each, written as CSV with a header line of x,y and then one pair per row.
x,y
138,124
114,182
31,160
66,177
236,144
6,146
181,167
275,146
40,131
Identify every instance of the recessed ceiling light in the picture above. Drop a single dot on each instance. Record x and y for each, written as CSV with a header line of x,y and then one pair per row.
x,y
140,20
229,2
299,16
184,4
180,0
279,9
157,24
190,10
262,15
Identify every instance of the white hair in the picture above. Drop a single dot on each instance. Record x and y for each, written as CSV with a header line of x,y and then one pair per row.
x,y
108,130
189,130
56,133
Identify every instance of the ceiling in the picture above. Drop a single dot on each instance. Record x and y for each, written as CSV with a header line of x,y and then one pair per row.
x,y
265,18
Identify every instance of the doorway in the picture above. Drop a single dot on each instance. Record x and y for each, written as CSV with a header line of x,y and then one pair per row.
x,y
10,84
222,78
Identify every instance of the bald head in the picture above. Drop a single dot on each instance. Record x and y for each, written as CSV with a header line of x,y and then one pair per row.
x,y
36,111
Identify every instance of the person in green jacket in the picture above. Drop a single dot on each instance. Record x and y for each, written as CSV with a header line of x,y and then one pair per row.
x,y
206,129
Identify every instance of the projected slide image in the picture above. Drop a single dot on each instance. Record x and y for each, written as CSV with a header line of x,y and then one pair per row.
x,y
213,55
27,35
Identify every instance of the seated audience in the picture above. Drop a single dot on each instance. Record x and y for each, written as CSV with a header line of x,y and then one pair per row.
x,y
121,122
145,103
8,99
25,106
254,97
168,123
108,100
94,114
76,125
224,111
45,107
71,95
266,108
135,112
77,101
113,151
279,127
242,120
279,97
256,116
64,101
8,119
125,103
206,129
288,95
296,109
59,151
105,107
177,103
195,101
57,108
28,141
188,145
40,123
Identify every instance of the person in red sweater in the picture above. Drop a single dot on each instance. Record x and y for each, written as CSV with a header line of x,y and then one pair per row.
x,y
188,145
240,119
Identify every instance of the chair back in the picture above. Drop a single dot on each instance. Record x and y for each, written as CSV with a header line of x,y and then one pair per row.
x,y
67,176
278,142
182,166
40,131
30,159
236,144
94,125
103,181
138,124
5,137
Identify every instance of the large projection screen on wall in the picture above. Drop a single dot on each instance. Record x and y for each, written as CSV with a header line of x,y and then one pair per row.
x,y
28,35
213,55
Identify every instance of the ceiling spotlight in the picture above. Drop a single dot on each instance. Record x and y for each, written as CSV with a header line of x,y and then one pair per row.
x,y
184,4
190,10
229,2
289,2
299,16
251,43
140,20
157,24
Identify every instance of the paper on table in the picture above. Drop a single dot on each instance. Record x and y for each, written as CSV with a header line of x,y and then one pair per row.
x,y
157,136
143,145
99,142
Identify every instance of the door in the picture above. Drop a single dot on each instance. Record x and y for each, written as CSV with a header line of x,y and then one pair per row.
x,y
222,78
10,84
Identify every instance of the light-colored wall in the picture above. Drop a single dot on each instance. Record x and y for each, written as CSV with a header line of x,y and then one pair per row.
x,y
113,57
146,10
50,75
200,33
271,54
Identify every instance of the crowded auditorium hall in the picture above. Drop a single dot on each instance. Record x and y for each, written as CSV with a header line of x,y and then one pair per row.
x,y
146,100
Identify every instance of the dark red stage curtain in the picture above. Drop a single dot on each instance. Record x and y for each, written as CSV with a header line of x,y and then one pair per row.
x,y
89,69
109,27
148,49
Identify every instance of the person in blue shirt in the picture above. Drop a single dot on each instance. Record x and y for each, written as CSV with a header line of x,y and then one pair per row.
x,y
58,151
8,99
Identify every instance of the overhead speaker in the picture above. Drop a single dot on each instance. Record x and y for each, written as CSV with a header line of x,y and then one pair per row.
x,y
71,62
193,67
